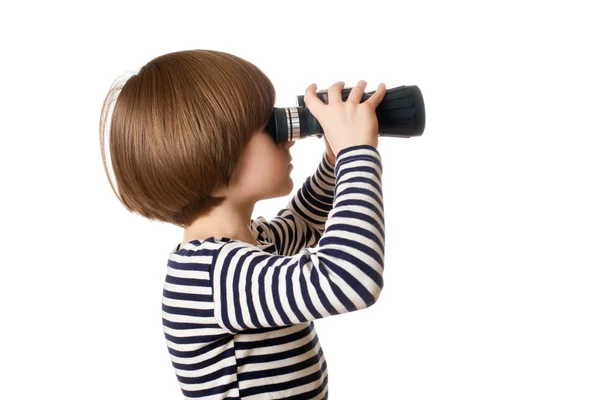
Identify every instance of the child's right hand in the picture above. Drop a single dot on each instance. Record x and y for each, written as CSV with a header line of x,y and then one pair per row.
x,y
346,123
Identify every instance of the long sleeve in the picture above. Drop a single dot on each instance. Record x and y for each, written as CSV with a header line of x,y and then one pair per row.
x,y
342,273
302,222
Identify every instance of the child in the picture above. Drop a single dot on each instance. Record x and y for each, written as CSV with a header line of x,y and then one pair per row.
x,y
188,146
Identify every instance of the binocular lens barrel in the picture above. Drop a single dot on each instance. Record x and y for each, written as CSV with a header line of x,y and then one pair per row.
x,y
401,113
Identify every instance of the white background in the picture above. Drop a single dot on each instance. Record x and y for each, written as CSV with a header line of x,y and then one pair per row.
x,y
492,216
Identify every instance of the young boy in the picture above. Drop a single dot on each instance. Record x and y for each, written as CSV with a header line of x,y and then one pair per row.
x,y
241,294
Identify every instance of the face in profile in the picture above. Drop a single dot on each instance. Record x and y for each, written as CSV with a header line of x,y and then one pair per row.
x,y
264,170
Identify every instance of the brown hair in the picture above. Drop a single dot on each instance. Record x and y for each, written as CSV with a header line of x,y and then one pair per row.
x,y
178,129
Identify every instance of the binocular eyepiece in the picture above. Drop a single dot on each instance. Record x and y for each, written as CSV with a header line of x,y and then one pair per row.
x,y
401,113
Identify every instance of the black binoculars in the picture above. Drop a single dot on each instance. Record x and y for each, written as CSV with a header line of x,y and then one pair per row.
x,y
401,113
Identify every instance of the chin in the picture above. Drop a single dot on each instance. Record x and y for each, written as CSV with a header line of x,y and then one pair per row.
x,y
284,188
287,186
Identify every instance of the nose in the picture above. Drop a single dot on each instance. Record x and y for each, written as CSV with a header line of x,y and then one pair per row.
x,y
288,144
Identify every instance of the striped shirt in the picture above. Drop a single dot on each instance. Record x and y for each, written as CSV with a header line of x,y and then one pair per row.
x,y
238,318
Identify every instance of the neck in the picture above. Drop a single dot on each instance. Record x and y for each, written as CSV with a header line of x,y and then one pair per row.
x,y
231,220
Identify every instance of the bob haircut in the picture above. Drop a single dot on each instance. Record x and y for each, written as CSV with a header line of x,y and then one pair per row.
x,y
178,129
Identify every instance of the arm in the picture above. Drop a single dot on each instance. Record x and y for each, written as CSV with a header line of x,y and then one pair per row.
x,y
302,222
343,273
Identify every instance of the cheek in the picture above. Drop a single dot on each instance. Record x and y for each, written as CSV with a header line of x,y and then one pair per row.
x,y
262,173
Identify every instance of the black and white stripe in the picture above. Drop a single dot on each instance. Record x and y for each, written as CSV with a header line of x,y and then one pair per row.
x,y
238,318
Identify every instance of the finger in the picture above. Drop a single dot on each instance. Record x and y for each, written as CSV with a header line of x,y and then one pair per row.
x,y
357,92
376,97
335,92
311,100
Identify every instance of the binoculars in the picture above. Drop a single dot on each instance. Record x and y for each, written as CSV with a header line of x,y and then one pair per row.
x,y
401,113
